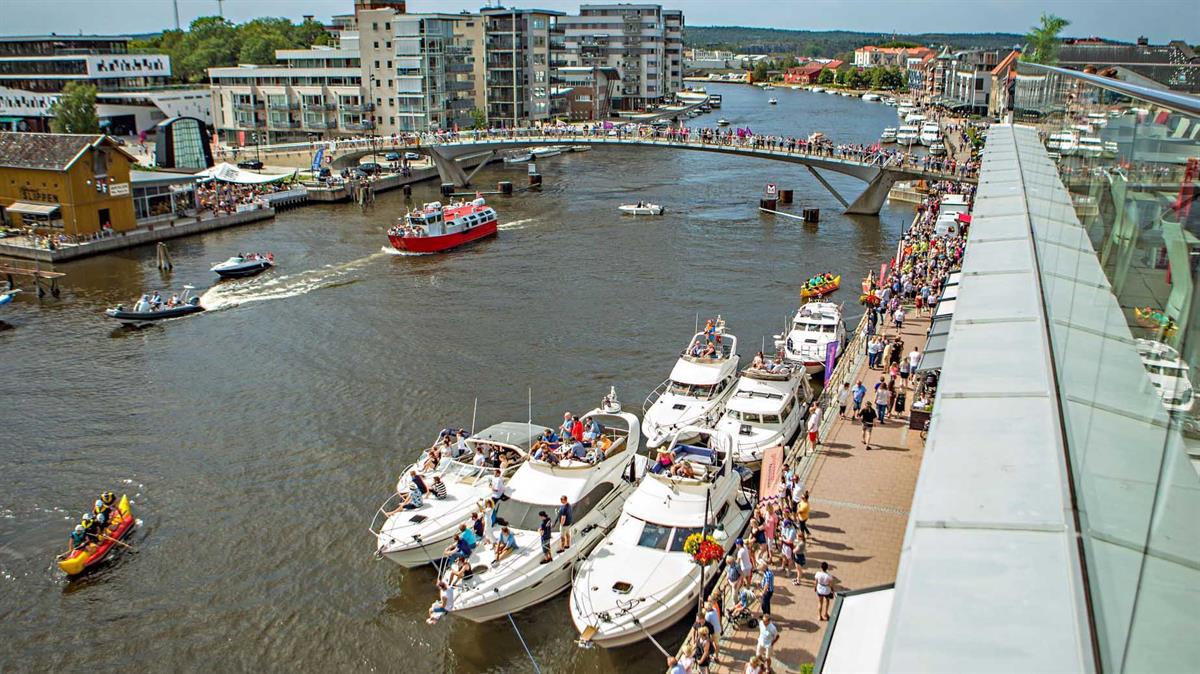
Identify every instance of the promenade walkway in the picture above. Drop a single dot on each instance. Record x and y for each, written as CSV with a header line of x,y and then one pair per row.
x,y
860,502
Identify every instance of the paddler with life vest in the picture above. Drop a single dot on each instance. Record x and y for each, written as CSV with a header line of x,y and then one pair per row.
x,y
78,539
105,511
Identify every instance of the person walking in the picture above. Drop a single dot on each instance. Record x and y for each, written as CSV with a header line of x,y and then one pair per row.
x,y
824,583
768,634
860,392
867,415
814,425
843,400
882,400
767,588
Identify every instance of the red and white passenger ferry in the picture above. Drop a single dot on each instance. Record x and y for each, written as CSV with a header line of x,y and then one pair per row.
x,y
434,228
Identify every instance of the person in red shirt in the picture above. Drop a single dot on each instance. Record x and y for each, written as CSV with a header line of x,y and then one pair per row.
x,y
576,428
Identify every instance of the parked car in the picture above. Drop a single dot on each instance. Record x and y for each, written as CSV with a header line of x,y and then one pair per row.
x,y
251,164
370,167
392,156
412,156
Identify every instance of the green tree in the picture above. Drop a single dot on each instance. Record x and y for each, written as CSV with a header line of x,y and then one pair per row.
x,y
760,71
75,110
1043,40
875,77
825,76
211,42
478,119
790,62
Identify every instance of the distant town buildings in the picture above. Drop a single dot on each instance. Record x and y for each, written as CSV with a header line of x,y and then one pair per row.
x,y
1174,65
808,72
132,94
891,57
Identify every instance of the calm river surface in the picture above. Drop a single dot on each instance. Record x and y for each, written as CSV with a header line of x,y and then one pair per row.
x,y
257,440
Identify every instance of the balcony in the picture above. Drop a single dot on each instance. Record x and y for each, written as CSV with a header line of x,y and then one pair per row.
x,y
459,68
460,86
357,107
364,125
284,106
248,107
461,104
282,124
246,123
320,124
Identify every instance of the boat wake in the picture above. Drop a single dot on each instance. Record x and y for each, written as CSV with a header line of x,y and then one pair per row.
x,y
516,225
388,250
229,295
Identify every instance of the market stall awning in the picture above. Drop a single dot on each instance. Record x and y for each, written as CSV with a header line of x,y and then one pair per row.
x,y
854,637
232,174
32,208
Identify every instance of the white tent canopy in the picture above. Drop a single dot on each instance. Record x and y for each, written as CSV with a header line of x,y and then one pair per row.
x,y
232,174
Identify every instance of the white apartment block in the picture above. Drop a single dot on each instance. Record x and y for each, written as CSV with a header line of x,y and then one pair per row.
x,y
643,42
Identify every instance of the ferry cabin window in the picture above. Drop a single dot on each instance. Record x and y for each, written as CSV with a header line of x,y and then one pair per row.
x,y
814,327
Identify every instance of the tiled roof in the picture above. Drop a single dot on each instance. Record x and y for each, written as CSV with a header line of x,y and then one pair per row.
x,y
45,151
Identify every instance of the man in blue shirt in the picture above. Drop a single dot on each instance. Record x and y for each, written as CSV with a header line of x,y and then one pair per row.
x,y
860,392
564,523
468,535
768,589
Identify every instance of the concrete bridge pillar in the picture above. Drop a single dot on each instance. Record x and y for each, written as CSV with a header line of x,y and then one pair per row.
x,y
871,200
449,169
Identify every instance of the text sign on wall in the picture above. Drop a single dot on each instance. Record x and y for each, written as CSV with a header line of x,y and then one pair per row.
x,y
118,189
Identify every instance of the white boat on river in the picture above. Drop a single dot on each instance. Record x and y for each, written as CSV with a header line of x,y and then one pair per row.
x,y
416,536
641,208
766,409
701,380
813,328
639,581
595,490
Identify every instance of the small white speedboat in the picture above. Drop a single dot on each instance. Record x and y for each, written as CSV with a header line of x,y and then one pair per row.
x,y
7,296
518,158
772,101
546,151
241,266
641,208
722,122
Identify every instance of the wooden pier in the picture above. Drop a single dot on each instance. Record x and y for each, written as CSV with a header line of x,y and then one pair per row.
x,y
11,269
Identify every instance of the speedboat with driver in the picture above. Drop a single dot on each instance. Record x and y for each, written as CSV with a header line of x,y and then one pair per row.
x,y
639,580
151,307
413,536
241,266
701,380
766,408
815,326
595,487
641,208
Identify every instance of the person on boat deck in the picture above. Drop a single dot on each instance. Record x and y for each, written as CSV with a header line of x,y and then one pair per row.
x,y
459,572
460,446
576,450
103,515
564,431
432,459
505,543
459,549
438,488
776,364
697,349
468,535
591,431
410,501
174,301
683,469
710,351
418,481
78,539
547,441
759,361
662,462
480,458
155,301
142,304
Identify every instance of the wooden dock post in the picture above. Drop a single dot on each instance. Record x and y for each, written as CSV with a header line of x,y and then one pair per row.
x,y
164,257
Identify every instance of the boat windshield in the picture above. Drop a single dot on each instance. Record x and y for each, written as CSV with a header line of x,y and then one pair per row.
x,y
691,390
1166,370
660,537
814,327
753,418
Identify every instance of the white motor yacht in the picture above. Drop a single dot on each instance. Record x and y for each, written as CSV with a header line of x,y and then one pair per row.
x,y
937,149
546,151
700,381
641,208
914,119
722,122
930,133
766,409
904,109
817,90
518,158
871,97
418,536
907,134
888,135
814,327
639,581
596,488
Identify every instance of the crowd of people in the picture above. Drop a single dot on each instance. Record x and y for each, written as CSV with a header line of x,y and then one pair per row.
x,y
220,197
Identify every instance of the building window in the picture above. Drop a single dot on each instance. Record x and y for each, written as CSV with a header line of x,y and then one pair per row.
x,y
374,26
377,47
387,25
388,44
389,63
377,62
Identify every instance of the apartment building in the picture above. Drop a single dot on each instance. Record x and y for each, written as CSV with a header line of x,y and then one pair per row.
x,y
518,65
967,83
891,57
308,93
413,70
131,88
470,34
643,42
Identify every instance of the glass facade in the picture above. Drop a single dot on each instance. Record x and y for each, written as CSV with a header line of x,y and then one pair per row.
x,y
1121,302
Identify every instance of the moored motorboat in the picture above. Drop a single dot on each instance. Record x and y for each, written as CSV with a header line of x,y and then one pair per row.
x,y
814,327
547,151
518,158
700,381
937,149
907,134
595,488
241,266
722,122
8,296
413,536
871,97
772,101
581,148
434,228
888,135
79,560
640,580
768,403
641,208
151,307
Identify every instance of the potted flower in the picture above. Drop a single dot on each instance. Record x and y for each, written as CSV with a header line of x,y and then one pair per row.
x,y
703,549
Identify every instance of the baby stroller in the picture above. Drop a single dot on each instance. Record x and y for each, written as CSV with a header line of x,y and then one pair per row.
x,y
740,613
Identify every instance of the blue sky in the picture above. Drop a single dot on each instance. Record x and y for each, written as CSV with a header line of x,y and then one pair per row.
x,y
1160,20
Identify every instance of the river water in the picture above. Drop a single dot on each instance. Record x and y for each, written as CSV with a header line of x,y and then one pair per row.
x,y
257,440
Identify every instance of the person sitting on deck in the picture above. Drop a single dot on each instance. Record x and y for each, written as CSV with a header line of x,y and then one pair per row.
x,y
505,543
418,481
91,529
102,514
155,301
432,459
591,431
697,349
142,305
438,488
460,571
683,469
547,441
710,351
759,361
410,501
459,549
173,302
662,462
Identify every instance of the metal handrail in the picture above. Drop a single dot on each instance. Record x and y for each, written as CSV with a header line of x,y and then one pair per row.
x,y
1182,103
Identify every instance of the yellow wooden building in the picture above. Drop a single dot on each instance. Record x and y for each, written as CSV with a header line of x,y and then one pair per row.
x,y
74,184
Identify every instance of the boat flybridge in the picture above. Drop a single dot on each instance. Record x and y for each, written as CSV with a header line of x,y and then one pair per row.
x,y
766,408
596,487
888,135
907,134
700,381
930,133
638,580
416,536
813,328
